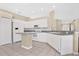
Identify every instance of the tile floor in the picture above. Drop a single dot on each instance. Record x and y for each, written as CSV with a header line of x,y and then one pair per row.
x,y
38,49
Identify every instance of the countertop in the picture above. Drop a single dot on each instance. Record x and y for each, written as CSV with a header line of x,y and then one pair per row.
x,y
47,31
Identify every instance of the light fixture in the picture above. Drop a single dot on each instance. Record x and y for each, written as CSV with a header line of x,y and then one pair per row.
x,y
17,11
33,11
52,8
42,9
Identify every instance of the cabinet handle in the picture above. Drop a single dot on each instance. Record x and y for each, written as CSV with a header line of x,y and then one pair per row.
x,y
16,28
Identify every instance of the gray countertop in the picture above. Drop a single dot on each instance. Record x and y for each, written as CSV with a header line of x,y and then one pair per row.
x,y
47,31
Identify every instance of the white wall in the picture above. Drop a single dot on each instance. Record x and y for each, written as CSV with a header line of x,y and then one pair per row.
x,y
64,11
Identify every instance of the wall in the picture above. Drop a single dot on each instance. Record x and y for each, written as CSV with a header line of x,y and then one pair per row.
x,y
58,25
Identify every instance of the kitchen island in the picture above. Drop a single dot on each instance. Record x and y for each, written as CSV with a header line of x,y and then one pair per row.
x,y
62,41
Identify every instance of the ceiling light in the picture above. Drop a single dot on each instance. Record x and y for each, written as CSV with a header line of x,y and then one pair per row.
x,y
53,6
33,11
42,9
17,11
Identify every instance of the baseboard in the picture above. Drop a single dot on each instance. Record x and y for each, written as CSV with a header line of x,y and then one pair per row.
x,y
5,43
75,53
26,47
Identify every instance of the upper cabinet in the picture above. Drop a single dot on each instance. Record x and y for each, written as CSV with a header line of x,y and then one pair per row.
x,y
42,23
66,27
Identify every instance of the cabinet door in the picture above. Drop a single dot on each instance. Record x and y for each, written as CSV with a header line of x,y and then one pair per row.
x,y
66,44
5,31
54,41
65,27
41,23
42,37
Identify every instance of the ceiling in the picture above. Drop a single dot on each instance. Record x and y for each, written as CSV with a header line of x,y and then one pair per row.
x,y
63,11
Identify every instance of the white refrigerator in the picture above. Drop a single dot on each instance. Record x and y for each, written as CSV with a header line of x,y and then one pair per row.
x,y
5,31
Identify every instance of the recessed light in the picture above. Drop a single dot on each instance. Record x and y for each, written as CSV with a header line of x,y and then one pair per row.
x,y
53,6
42,9
33,11
17,11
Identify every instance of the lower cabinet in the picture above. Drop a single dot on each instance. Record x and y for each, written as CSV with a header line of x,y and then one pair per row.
x,y
41,37
66,44
62,43
54,41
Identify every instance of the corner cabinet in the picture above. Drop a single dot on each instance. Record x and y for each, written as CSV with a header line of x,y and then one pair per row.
x,y
62,43
5,31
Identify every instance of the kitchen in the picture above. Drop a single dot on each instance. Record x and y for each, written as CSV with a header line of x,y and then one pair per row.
x,y
60,35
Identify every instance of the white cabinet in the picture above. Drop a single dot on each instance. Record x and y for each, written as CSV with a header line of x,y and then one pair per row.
x,y
65,27
66,44
54,41
62,43
18,27
41,37
40,23
5,31
57,43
